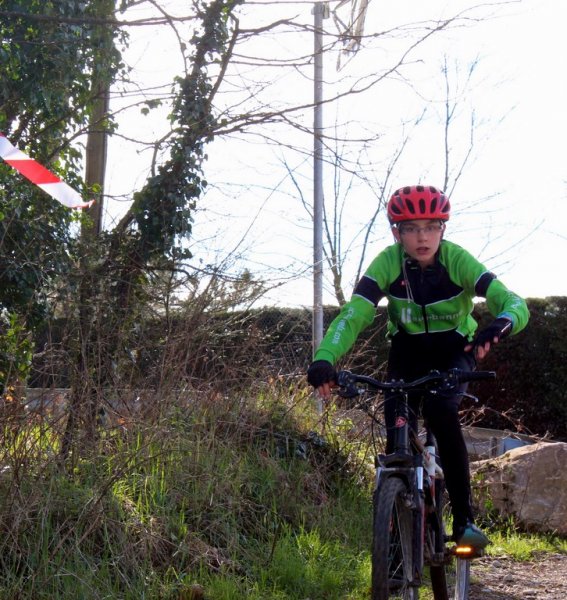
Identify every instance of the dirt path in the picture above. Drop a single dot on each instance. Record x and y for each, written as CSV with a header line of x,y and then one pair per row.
x,y
506,579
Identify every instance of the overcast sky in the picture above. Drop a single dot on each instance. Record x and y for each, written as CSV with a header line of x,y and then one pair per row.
x,y
510,204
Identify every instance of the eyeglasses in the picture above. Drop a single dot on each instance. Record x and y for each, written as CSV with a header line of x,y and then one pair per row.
x,y
415,230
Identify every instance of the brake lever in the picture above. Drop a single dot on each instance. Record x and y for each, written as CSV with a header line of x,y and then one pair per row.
x,y
349,390
469,396
347,386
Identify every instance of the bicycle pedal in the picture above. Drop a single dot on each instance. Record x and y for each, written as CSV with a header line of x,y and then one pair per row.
x,y
466,551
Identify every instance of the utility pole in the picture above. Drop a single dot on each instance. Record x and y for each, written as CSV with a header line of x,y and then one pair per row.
x,y
320,12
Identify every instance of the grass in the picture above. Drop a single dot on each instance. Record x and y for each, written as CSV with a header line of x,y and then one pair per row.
x,y
303,565
232,494
509,541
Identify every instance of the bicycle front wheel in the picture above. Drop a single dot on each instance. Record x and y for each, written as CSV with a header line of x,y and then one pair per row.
x,y
392,555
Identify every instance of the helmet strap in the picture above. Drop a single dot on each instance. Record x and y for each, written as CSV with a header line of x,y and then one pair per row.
x,y
396,233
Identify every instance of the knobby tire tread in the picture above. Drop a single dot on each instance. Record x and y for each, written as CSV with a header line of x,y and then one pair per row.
x,y
392,542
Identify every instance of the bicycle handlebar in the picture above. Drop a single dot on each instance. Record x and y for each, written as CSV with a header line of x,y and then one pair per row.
x,y
444,381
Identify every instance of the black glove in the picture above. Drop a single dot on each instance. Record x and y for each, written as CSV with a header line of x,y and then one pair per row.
x,y
497,330
320,372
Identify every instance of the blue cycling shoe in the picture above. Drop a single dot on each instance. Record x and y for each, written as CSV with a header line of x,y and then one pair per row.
x,y
470,535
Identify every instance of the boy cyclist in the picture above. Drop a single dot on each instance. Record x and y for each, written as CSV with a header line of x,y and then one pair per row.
x,y
430,284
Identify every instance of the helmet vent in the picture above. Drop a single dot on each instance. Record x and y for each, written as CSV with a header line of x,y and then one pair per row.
x,y
418,202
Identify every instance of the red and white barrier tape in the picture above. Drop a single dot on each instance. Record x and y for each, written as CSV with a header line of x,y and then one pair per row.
x,y
40,176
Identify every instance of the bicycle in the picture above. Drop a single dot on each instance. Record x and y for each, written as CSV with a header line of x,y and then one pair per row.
x,y
409,500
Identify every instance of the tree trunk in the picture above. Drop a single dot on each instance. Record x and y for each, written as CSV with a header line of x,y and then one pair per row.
x,y
84,402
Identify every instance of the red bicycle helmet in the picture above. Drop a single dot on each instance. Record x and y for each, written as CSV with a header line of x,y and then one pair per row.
x,y
418,202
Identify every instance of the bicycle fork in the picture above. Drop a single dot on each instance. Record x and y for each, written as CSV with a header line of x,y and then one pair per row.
x,y
412,474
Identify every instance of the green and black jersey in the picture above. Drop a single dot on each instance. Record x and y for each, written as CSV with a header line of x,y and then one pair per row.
x,y
437,299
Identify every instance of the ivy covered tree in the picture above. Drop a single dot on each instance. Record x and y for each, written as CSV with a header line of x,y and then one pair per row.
x,y
57,58
160,216
48,54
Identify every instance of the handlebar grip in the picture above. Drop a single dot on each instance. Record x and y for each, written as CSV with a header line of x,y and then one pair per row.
x,y
476,376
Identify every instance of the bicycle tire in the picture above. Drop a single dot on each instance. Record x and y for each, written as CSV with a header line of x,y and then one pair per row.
x,y
439,582
392,553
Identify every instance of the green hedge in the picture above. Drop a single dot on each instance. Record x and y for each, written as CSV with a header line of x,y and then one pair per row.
x,y
241,348
530,392
531,387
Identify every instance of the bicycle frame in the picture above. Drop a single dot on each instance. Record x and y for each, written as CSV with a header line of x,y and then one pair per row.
x,y
407,464
401,477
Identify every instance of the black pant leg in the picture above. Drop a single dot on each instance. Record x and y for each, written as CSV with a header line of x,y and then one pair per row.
x,y
413,356
442,415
